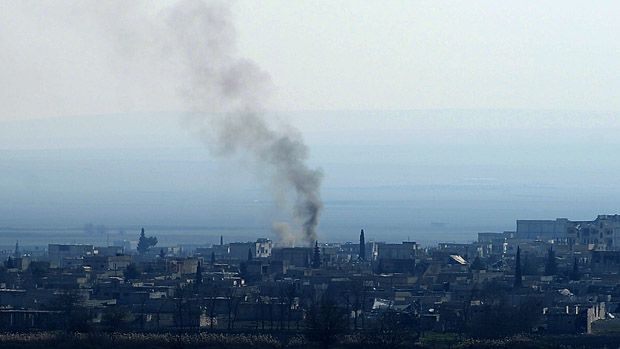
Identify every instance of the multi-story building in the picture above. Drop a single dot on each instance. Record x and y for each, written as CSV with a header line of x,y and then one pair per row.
x,y
263,248
603,233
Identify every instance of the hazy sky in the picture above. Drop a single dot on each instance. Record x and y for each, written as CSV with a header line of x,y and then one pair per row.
x,y
62,58
388,94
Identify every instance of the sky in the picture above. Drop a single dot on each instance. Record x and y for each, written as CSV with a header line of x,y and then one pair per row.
x,y
472,113
62,58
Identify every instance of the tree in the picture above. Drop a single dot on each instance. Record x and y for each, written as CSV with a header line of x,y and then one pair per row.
x,y
233,300
289,293
10,263
75,316
518,274
379,268
117,318
397,329
17,253
144,243
212,292
358,301
198,279
551,265
574,275
325,322
478,264
316,257
38,270
131,272
500,320
528,267
362,254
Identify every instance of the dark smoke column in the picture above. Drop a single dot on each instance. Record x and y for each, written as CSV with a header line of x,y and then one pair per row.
x,y
201,37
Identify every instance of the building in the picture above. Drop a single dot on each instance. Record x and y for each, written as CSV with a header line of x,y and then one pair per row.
x,y
492,244
406,250
60,254
294,256
107,251
542,229
603,233
396,258
263,248
259,249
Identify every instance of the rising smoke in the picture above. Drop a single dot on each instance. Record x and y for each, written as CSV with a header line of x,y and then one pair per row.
x,y
201,38
192,43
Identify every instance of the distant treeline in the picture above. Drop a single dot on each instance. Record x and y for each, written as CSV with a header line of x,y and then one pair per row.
x,y
64,340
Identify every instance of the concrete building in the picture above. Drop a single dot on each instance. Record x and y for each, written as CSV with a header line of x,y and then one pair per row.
x,y
294,256
603,233
406,250
108,251
259,249
59,254
396,258
263,248
542,229
492,244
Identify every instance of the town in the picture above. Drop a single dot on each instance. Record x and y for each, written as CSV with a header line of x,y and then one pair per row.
x,y
552,277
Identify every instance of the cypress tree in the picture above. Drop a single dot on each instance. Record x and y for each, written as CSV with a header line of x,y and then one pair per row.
x,y
478,264
528,267
144,243
362,254
9,263
551,265
575,273
316,257
518,272
199,274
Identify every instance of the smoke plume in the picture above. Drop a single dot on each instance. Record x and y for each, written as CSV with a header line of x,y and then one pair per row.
x,y
201,38
191,45
284,233
138,55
